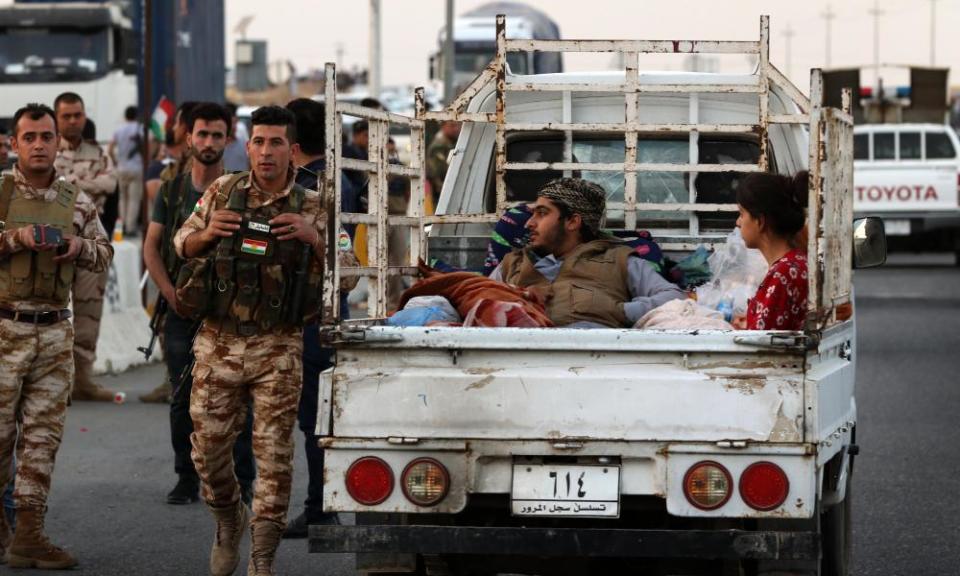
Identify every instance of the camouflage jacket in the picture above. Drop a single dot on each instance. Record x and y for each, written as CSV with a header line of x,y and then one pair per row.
x,y
437,154
87,167
96,252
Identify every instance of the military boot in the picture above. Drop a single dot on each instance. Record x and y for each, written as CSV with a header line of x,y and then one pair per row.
x,y
5,536
159,395
85,389
264,540
231,523
31,548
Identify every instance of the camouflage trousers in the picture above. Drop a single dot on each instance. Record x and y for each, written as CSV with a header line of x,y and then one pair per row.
x,y
88,290
36,370
230,371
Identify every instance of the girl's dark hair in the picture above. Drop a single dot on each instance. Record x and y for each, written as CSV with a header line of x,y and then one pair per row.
x,y
780,200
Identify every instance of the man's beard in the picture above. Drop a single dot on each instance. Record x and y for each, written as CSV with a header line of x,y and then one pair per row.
x,y
205,159
551,241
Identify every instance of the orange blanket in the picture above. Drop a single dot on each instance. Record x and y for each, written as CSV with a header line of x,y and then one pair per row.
x,y
492,303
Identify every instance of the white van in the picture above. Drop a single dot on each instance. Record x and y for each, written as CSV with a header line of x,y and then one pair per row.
x,y
909,174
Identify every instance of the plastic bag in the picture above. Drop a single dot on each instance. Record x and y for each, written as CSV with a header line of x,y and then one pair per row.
x,y
434,302
736,273
425,310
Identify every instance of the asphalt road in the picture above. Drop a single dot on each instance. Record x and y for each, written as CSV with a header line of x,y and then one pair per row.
x,y
908,399
115,466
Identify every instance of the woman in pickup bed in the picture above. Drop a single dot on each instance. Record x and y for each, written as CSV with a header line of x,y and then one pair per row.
x,y
772,214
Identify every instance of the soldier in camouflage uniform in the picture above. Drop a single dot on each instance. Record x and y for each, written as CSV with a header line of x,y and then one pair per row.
x,y
250,342
86,166
437,154
174,204
36,336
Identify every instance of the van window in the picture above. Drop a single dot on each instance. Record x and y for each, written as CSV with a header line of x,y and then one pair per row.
x,y
861,146
939,146
910,146
883,146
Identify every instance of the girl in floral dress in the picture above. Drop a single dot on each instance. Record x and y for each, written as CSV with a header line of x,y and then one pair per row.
x,y
772,213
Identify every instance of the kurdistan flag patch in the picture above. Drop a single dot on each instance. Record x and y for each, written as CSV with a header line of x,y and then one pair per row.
x,y
255,247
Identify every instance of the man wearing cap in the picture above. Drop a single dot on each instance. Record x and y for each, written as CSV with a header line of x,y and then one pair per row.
x,y
588,278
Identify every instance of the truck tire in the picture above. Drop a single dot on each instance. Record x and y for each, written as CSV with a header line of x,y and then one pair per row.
x,y
836,538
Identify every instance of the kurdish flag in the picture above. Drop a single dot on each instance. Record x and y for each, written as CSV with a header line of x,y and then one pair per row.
x,y
255,247
161,116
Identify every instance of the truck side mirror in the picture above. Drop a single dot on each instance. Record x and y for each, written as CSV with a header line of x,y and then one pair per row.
x,y
869,242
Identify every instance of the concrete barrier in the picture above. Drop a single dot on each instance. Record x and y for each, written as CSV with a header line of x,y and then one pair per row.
x,y
125,324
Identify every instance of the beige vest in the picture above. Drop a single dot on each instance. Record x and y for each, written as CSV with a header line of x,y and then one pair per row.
x,y
591,287
34,276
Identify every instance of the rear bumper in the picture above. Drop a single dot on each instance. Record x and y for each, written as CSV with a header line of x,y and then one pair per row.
x,y
544,542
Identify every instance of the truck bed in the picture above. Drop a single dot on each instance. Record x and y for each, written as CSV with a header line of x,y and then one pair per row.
x,y
518,384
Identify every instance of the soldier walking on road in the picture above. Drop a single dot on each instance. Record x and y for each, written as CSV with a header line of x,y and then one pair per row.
x,y
37,266
208,130
85,166
256,244
437,153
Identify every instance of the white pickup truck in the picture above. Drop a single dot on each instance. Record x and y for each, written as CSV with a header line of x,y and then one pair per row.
x,y
909,174
542,451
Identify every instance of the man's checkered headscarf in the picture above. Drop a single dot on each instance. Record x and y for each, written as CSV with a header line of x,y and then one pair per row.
x,y
580,196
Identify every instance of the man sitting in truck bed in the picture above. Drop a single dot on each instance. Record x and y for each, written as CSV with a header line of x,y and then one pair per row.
x,y
588,279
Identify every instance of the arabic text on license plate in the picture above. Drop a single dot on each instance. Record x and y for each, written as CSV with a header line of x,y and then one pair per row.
x,y
565,490
897,227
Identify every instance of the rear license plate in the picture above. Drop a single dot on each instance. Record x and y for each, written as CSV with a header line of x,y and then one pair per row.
x,y
897,227
565,490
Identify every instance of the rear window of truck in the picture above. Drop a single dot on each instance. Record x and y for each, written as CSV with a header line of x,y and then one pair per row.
x,y
652,187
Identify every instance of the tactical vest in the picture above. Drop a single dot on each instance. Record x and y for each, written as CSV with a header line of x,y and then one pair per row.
x,y
177,213
252,283
592,284
29,275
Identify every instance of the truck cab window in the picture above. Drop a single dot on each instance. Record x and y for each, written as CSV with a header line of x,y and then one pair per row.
x,y
939,146
910,146
652,187
884,147
861,146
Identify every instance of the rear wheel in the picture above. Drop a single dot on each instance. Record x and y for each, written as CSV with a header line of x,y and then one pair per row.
x,y
836,536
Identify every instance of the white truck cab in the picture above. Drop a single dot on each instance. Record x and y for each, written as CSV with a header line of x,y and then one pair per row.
x,y
484,450
909,174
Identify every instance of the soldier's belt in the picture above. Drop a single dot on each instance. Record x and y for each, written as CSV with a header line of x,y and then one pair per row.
x,y
38,318
232,327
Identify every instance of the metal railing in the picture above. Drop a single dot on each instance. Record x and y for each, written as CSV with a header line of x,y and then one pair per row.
x,y
767,77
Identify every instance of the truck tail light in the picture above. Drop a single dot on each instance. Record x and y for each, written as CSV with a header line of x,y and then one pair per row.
x,y
425,481
764,486
369,481
707,485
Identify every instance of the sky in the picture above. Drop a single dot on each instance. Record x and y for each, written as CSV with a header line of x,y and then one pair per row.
x,y
308,32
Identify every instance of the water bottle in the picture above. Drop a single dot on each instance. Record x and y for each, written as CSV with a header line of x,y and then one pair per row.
x,y
726,308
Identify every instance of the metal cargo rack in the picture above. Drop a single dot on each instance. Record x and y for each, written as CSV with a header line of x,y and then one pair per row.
x,y
830,213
